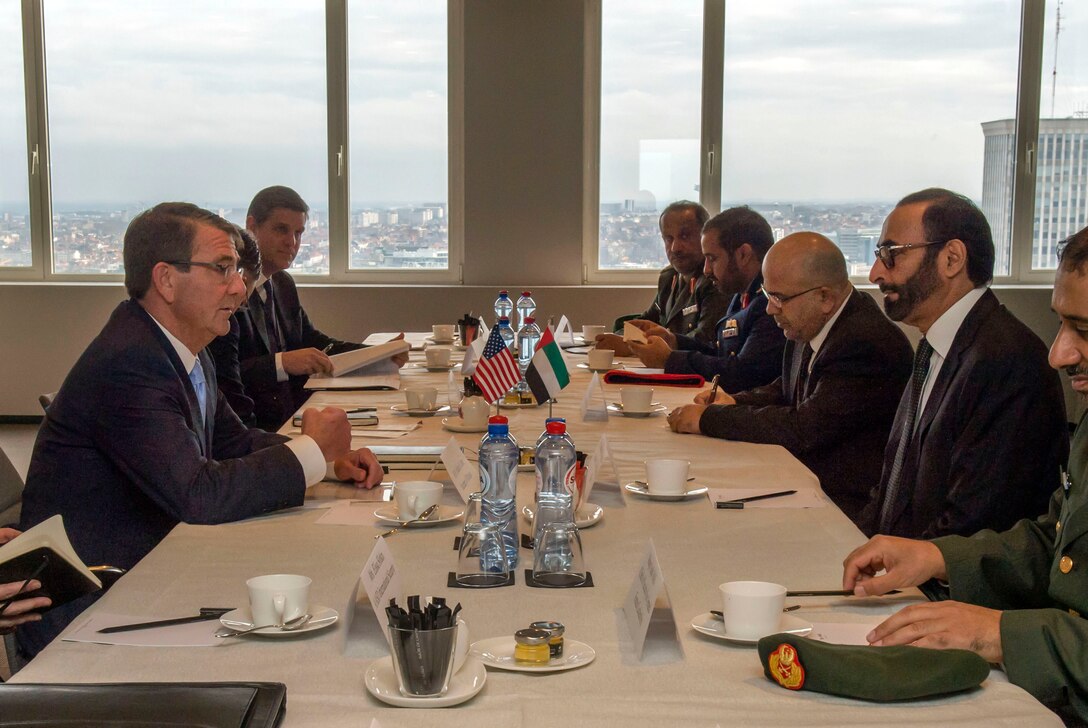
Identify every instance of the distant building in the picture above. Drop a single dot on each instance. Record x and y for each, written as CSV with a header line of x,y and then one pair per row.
x,y
1061,185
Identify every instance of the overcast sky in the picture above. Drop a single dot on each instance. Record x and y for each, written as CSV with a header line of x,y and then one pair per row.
x,y
824,99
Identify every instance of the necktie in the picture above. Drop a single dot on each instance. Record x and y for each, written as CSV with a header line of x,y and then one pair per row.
x,y
802,374
910,418
196,376
272,327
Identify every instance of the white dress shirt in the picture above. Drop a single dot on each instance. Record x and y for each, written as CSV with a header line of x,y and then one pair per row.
x,y
940,336
281,373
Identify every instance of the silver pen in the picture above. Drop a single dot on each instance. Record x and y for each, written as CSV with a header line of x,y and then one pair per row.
x,y
713,389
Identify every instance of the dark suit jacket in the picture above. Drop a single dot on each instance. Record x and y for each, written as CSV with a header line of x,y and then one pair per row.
x,y
246,366
1043,629
681,311
123,454
838,424
747,350
992,437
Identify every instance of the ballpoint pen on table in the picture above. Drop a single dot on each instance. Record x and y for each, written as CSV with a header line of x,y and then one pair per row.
x,y
206,614
739,502
327,349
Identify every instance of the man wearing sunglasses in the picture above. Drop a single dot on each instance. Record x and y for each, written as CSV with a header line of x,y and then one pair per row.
x,y
843,371
980,432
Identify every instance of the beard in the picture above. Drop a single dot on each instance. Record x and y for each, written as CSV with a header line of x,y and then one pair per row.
x,y
914,290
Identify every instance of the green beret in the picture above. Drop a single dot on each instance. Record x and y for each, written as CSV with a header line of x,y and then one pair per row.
x,y
868,673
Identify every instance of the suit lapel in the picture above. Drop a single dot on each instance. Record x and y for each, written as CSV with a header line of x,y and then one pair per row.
x,y
255,310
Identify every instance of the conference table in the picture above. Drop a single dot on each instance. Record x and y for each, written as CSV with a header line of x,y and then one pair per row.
x,y
681,677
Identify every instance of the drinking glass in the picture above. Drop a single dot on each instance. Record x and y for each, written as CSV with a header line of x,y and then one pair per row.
x,y
557,555
481,558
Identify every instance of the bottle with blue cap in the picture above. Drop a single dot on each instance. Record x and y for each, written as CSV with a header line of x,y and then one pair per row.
x,y
503,306
498,456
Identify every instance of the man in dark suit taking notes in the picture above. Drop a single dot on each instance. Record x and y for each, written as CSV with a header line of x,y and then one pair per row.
x,y
843,372
139,437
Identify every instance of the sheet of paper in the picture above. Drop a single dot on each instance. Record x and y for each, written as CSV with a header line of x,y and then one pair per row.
x,y
393,429
842,633
633,333
465,477
194,634
349,513
641,596
593,404
801,499
381,581
377,381
415,339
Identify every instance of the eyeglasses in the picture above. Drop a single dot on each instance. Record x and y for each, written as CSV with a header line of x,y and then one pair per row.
x,y
887,252
224,269
779,299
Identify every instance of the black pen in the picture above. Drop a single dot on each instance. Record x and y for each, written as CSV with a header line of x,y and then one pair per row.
x,y
739,502
713,390
206,614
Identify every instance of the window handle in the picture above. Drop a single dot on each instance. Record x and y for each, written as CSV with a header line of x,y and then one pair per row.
x,y
340,162
34,161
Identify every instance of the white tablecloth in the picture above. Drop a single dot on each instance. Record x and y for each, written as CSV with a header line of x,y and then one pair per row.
x,y
696,680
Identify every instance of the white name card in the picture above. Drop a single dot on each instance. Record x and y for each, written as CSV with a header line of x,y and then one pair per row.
x,y
563,333
381,581
638,607
593,406
465,477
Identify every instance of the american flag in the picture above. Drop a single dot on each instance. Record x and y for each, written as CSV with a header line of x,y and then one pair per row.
x,y
497,371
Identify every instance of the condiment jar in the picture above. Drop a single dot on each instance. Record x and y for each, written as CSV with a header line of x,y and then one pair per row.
x,y
555,636
531,647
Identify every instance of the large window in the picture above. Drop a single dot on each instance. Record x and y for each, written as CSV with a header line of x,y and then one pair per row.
x,y
651,56
14,190
202,101
835,110
398,121
1061,181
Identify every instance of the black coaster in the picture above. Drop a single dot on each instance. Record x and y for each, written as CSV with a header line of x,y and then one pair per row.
x,y
526,541
529,581
451,582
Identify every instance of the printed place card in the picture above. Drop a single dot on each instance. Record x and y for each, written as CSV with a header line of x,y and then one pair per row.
x,y
465,477
638,607
381,581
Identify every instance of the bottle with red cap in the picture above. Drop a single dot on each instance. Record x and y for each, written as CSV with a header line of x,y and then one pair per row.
x,y
498,456
555,486
528,337
526,307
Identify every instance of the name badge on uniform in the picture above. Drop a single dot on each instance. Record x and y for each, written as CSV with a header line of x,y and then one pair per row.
x,y
693,308
730,330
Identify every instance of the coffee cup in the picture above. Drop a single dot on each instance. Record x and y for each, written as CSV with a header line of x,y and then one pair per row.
x,y
442,333
278,598
421,398
425,660
636,399
600,358
752,609
665,476
590,332
474,412
438,356
415,496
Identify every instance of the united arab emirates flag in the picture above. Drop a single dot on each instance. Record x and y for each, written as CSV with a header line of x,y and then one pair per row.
x,y
547,372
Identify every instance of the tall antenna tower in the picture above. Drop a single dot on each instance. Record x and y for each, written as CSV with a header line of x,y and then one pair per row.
x,y
1054,72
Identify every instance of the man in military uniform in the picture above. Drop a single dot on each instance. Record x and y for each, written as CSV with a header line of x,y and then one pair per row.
x,y
1016,597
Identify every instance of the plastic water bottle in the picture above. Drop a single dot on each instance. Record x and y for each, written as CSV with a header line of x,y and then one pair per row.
x,y
498,457
555,487
526,307
544,435
528,338
507,334
503,305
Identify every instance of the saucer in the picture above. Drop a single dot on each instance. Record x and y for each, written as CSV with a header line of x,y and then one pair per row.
x,y
390,514
519,405
576,349
240,619
403,409
586,515
614,365
439,342
381,682
454,424
706,623
640,489
656,408
498,652
428,367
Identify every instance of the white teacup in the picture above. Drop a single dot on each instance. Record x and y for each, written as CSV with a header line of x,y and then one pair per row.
x,y
590,332
421,398
752,609
438,356
666,476
442,333
474,412
415,496
600,358
636,399
278,598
